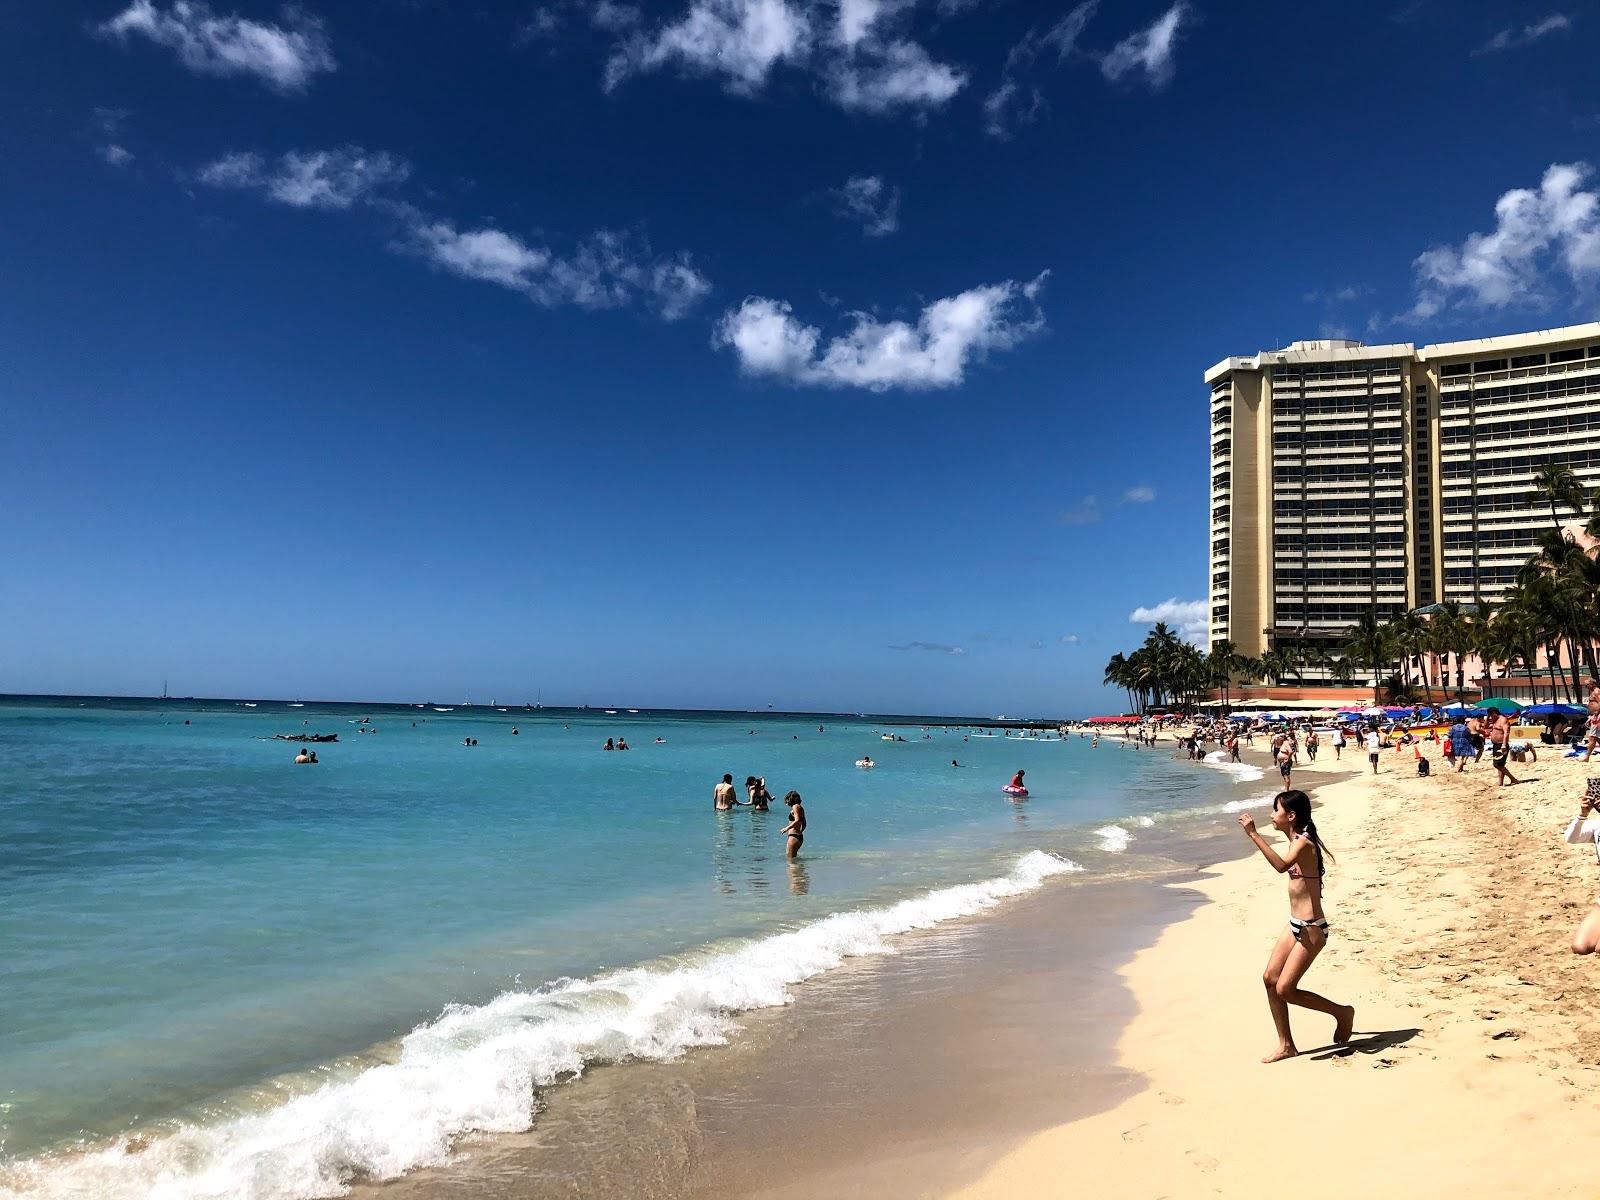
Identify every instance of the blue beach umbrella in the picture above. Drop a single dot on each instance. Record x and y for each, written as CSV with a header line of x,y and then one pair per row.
x,y
1555,710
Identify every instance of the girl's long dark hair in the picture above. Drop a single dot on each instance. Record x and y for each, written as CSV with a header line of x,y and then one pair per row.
x,y
1298,805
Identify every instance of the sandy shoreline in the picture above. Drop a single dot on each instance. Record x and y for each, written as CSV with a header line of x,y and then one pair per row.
x,y
1473,1067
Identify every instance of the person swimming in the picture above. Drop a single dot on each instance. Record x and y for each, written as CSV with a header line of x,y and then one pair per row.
x,y
611,744
796,828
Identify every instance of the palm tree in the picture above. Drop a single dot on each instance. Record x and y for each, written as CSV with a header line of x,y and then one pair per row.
x,y
1367,642
1448,635
1553,484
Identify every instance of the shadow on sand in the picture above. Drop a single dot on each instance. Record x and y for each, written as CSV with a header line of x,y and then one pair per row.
x,y
1365,1043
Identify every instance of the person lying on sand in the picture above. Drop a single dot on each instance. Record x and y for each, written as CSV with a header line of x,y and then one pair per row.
x,y
1307,933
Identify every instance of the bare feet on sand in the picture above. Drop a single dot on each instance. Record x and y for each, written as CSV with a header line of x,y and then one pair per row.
x,y
1344,1025
1281,1053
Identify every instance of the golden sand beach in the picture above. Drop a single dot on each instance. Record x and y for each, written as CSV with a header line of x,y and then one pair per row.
x,y
1473,1068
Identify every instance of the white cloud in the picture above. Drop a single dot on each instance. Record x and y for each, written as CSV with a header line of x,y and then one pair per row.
x,y
1148,53
870,202
608,270
1515,39
880,355
108,122
739,39
877,77
285,57
330,179
1017,101
1188,616
1554,230
1140,494
931,648
862,56
1070,639
1084,512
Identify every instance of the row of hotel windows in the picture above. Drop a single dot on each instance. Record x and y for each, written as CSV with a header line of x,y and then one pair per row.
x,y
1520,464
1327,614
1361,437
1336,406
1459,505
1523,427
1316,542
1338,370
1287,575
1470,581
1453,403
1389,474
1315,507
1573,354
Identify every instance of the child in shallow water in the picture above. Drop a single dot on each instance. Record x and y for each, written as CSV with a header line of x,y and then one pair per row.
x,y
1307,932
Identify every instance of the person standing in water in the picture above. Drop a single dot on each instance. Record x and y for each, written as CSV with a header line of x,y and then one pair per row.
x,y
722,795
1298,945
796,828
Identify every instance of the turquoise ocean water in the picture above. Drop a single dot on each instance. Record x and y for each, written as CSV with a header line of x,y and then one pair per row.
x,y
226,975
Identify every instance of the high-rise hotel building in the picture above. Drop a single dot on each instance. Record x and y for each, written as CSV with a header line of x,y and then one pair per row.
x,y
1347,476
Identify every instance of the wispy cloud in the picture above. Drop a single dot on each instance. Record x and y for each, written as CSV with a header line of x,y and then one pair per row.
x,y
738,40
1070,639
1149,53
870,202
1084,512
862,57
1141,493
1187,616
1017,100
1540,236
607,269
108,124
285,57
330,179
549,21
930,647
933,352
1339,295
1513,38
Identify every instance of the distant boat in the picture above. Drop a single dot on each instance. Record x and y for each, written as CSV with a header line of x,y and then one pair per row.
x,y
164,689
444,710
633,710
611,712
249,703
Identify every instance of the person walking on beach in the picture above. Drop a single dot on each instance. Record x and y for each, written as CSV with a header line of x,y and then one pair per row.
x,y
1285,758
1338,742
796,828
1500,747
1475,736
1374,742
1298,945
722,795
1312,743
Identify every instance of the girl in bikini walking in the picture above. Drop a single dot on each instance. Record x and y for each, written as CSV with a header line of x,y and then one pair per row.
x,y
1307,933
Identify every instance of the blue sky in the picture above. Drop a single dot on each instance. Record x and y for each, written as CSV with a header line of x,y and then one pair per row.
x,y
715,352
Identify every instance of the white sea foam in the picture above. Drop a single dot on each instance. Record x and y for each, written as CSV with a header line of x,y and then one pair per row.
x,y
1144,822
1244,772
1234,806
1114,839
475,1068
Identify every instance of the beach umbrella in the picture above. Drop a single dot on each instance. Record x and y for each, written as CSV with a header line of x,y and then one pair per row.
x,y
1501,703
1554,710
1241,717
1374,711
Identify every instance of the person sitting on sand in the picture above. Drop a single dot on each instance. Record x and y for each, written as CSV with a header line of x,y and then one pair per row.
x,y
722,795
1298,945
1587,936
301,758
796,828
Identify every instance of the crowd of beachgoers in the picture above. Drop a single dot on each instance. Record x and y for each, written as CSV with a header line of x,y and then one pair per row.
x,y
1408,739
